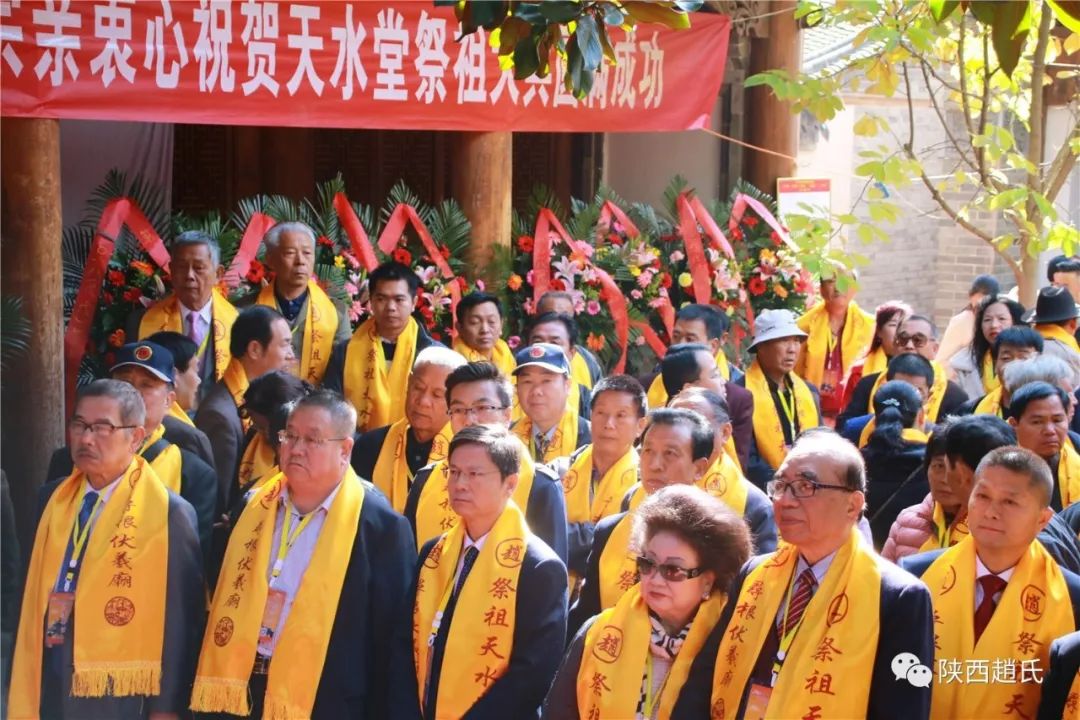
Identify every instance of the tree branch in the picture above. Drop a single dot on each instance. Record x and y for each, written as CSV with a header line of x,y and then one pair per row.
x,y
980,153
944,123
963,76
1059,169
1037,119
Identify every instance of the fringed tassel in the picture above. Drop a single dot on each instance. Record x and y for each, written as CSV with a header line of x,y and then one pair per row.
x,y
220,695
117,680
277,709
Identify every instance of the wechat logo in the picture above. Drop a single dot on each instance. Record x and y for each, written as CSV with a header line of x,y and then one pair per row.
x,y
906,666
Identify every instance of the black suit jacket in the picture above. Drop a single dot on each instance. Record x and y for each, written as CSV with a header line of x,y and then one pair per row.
x,y
219,418
368,445
955,398
1064,665
539,631
906,625
190,438
334,379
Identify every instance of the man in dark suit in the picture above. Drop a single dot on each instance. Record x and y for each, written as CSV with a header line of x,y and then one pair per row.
x,y
109,481
1008,507
492,649
260,342
335,595
816,583
1058,695
562,302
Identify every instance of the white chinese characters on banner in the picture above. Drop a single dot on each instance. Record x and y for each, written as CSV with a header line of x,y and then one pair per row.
x,y
348,64
112,23
431,57
260,35
58,45
305,42
391,45
651,85
212,47
471,69
10,34
157,44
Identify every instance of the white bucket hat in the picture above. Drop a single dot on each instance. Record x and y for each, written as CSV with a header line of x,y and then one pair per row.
x,y
773,325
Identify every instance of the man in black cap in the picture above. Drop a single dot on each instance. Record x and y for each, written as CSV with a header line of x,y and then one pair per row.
x,y
1055,317
149,368
549,428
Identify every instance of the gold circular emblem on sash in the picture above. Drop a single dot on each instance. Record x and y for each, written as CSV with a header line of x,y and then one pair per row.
x,y
119,611
569,481
432,560
510,553
1033,601
608,648
223,631
838,609
950,580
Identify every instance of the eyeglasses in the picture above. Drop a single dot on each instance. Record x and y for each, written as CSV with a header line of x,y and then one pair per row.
x,y
475,411
671,573
918,340
101,429
471,476
293,440
802,488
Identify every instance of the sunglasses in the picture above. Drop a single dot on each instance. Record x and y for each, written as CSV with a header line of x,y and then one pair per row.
x,y
918,340
672,573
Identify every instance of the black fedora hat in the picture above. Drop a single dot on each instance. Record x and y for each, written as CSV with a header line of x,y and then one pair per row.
x,y
1055,304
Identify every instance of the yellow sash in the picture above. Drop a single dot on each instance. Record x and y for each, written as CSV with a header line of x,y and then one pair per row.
x,y
320,325
616,657
165,315
587,504
563,442
258,462
618,566
1056,332
990,403
579,371
378,394
724,481
911,435
657,394
855,339
767,429
1033,611
876,362
391,473
1068,474
178,412
119,598
168,464
435,516
232,635
937,392
501,355
481,638
945,534
838,635
989,377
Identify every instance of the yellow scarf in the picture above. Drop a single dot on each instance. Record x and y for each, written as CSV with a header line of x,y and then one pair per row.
x,y
724,481
911,435
378,394
236,382
501,355
989,377
579,371
435,516
119,599
618,566
178,412
221,682
876,361
1034,610
1068,474
1056,332
767,429
855,338
657,394
165,314
320,326
990,404
937,392
838,635
945,534
259,462
616,658
168,463
391,473
587,504
481,638
563,442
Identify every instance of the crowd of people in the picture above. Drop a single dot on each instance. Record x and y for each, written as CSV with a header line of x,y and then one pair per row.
x,y
262,514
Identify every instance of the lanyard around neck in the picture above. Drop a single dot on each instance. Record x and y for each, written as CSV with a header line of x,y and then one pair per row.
x,y
79,536
289,539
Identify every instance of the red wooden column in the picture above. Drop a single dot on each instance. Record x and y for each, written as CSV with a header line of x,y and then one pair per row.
x,y
482,169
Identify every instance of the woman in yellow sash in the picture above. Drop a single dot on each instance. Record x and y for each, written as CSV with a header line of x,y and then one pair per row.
x,y
887,319
973,367
632,660
480,328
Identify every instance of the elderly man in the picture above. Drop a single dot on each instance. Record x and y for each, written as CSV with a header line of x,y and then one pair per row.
x,y
372,368
675,448
1057,316
488,600
149,368
116,553
392,455
723,479
315,573
839,333
696,323
316,323
784,403
1039,412
196,307
549,427
477,393
812,630
562,330
584,365
260,343
1012,344
999,596
480,328
918,335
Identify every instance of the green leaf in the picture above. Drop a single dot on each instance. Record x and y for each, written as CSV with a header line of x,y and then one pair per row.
x,y
651,12
557,11
588,40
526,58
1008,198
942,9
1012,22
983,10
1067,12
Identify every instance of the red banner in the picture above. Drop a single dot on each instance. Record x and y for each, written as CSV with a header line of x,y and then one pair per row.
x,y
392,65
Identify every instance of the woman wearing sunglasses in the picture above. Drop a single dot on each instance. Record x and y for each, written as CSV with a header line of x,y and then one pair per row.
x,y
631,660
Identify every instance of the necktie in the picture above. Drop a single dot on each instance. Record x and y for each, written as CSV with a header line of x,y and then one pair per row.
x,y
439,647
541,443
195,331
800,598
991,586
87,509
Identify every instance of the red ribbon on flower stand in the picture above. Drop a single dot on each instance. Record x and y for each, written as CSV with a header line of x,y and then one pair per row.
x,y
403,216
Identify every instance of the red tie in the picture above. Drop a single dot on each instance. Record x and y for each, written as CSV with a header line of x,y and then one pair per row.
x,y
991,585
800,598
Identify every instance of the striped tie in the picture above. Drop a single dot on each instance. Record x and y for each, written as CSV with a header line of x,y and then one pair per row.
x,y
804,590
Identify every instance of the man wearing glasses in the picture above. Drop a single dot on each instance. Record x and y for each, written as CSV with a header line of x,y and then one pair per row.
x,y
814,629
478,394
488,600
312,585
917,335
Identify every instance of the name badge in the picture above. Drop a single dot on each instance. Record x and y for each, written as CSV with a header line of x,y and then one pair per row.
x,y
757,702
57,616
275,604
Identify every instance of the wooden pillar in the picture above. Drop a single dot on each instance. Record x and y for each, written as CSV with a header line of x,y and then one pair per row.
x,y
770,123
482,168
32,412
